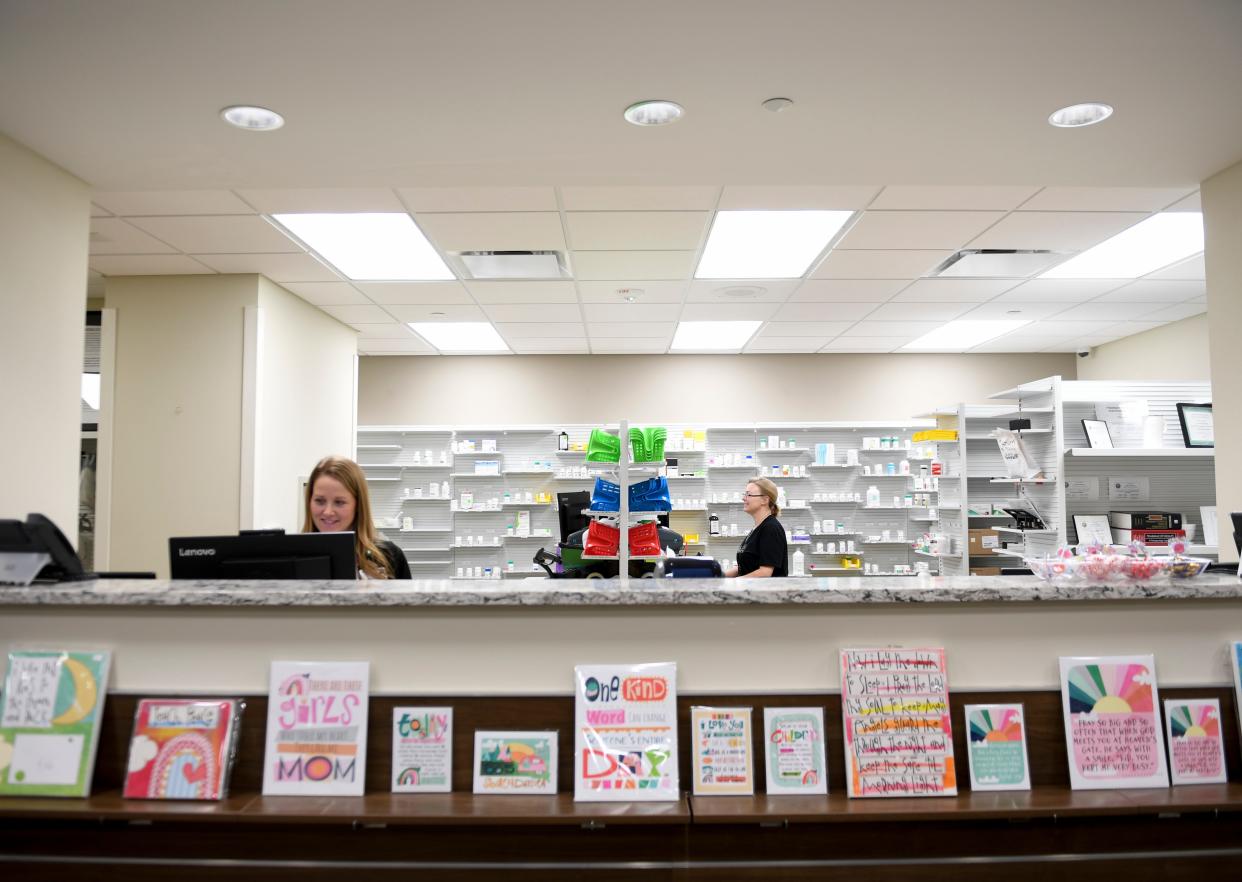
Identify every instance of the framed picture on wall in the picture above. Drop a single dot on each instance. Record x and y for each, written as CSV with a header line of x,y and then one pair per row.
x,y
1196,420
1097,434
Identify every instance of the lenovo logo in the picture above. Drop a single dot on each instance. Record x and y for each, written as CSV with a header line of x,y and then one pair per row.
x,y
195,552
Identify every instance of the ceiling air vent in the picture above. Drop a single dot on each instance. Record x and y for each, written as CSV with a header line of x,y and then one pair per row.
x,y
511,264
997,263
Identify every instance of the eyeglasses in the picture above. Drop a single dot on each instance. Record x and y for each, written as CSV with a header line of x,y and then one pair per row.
x,y
756,495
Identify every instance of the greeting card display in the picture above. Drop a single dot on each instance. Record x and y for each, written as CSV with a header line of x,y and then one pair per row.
x,y
182,748
898,735
515,762
1235,661
1196,749
316,729
422,749
793,745
625,733
723,755
997,747
1112,725
49,722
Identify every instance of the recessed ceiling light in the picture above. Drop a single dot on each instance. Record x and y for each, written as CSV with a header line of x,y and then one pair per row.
x,y
1147,246
252,119
1078,115
767,244
385,247
961,335
698,336
776,105
460,336
654,113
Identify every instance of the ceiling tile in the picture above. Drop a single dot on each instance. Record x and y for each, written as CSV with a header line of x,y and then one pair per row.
x,y
1190,203
110,235
628,345
867,344
918,229
1104,198
550,346
891,329
1098,310
1193,268
827,330
639,198
442,312
606,330
918,311
847,290
796,198
952,198
1120,330
300,267
533,312
99,211
786,344
1059,330
420,199
326,293
147,265
1056,230
390,331
1014,309
160,202
327,199
357,315
415,292
636,230
879,264
954,290
522,292
394,347
718,290
1018,344
823,312
1149,290
631,312
1172,313
220,234
1063,290
646,292
632,265
535,330
728,312
494,231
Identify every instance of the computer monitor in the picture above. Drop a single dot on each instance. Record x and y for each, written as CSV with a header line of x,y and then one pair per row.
x,y
264,556
569,507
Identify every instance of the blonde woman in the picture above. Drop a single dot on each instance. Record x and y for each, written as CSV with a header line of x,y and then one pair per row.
x,y
336,502
764,552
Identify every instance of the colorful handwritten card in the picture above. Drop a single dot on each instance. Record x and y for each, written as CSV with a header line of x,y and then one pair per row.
x,y
422,749
1235,661
316,729
1196,749
182,748
49,722
625,733
515,762
898,735
997,747
794,750
1112,725
723,754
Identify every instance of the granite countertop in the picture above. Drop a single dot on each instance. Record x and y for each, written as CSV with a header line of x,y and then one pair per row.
x,y
593,592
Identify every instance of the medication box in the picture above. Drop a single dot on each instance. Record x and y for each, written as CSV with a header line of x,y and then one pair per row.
x,y
984,541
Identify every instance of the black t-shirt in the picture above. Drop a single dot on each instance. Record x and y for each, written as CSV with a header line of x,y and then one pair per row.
x,y
764,546
398,567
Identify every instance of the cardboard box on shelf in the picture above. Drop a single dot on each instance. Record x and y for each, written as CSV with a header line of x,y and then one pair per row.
x,y
984,541
985,571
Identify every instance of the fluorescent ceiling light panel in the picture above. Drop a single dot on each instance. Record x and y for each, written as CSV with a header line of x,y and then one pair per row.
x,y
460,336
372,247
698,336
960,335
1147,246
767,244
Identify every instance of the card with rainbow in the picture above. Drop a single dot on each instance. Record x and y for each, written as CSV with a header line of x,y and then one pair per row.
x,y
794,750
1113,734
1235,661
49,721
997,747
1196,749
422,749
182,748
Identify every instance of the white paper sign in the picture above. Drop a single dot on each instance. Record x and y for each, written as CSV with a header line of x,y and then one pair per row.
x,y
46,759
1082,488
1129,489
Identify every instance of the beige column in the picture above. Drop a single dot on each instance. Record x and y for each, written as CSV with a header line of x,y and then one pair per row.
x,y
44,231
1222,222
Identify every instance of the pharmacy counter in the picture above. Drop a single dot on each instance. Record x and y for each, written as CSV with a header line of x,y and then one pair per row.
x,y
462,637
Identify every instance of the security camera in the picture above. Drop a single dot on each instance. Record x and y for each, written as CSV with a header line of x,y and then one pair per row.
x,y
1083,353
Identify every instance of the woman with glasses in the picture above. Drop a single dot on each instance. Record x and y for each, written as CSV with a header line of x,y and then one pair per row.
x,y
764,552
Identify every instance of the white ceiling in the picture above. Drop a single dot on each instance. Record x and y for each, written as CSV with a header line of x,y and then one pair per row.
x,y
499,126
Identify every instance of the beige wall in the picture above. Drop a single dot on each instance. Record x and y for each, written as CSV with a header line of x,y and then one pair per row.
x,y
1222,227
401,390
305,404
44,230
1178,351
177,418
